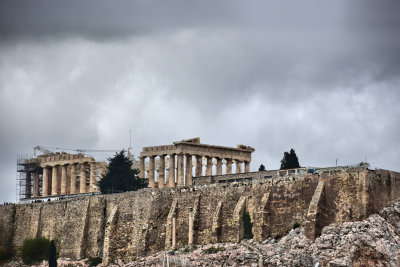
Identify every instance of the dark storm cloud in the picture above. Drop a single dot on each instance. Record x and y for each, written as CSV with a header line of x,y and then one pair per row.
x,y
108,18
321,77
102,18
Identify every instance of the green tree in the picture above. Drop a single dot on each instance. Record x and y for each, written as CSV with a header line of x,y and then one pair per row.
x,y
261,168
35,250
247,225
290,160
52,255
120,177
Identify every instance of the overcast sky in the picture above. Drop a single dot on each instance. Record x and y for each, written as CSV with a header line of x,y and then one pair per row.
x,y
321,77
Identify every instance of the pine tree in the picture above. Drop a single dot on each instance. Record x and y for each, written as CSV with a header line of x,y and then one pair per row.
x,y
290,160
52,255
261,168
120,176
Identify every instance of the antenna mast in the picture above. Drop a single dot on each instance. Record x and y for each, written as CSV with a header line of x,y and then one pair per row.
x,y
130,139
130,144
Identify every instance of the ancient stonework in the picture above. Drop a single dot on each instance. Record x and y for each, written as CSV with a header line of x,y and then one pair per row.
x,y
60,174
172,165
125,226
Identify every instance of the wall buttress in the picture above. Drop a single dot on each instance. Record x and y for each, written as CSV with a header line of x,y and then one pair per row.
x,y
237,217
311,230
168,228
110,225
216,225
259,218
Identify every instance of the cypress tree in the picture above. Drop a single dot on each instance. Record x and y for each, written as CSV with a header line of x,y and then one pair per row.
x,y
290,160
52,255
120,177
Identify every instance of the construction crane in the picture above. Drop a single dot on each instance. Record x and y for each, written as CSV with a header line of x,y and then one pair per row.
x,y
44,150
47,150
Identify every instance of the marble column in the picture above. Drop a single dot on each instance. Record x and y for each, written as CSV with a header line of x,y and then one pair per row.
x,y
73,179
54,181
63,179
219,166
151,172
92,177
189,170
238,167
36,184
82,184
171,172
181,181
45,183
247,166
142,167
28,185
161,172
209,166
199,166
228,166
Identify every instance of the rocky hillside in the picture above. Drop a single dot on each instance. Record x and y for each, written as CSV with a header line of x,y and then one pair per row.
x,y
372,242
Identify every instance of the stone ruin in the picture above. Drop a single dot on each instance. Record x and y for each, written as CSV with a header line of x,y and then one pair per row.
x,y
172,165
58,174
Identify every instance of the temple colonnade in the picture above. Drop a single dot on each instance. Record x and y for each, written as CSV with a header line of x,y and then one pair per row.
x,y
62,174
179,169
74,178
176,162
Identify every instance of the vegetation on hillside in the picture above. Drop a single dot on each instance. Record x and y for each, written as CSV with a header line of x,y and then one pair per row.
x,y
52,254
120,177
35,250
290,160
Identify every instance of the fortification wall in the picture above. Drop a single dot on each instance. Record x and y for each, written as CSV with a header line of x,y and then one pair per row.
x,y
133,224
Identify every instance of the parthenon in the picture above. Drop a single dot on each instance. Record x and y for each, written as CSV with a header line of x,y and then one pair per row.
x,y
176,162
60,174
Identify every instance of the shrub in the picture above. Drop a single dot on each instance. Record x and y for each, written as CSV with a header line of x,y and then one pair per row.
x,y
94,261
212,250
247,225
5,254
296,225
35,250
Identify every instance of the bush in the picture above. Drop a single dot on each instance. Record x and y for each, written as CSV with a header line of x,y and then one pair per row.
x,y
212,250
94,261
5,254
35,250
247,225
296,225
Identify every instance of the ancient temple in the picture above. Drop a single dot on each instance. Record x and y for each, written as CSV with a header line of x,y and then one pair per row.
x,y
177,164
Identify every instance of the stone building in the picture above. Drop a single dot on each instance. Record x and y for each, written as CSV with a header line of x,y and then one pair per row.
x,y
177,164
58,174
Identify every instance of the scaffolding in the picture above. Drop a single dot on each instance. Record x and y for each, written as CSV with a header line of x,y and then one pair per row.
x,y
27,165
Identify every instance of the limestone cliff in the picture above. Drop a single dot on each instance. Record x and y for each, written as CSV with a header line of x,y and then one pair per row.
x,y
374,241
135,224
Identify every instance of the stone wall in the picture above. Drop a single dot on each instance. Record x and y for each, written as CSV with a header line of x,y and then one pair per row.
x,y
133,224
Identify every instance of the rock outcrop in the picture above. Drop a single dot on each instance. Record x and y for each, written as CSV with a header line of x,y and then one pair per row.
x,y
374,241
371,242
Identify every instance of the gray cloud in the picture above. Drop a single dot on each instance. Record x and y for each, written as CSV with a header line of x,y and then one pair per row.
x,y
322,78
